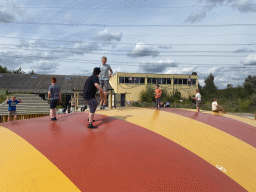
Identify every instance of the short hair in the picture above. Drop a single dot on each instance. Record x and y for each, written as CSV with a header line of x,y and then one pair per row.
x,y
197,90
214,99
157,85
13,96
104,57
54,79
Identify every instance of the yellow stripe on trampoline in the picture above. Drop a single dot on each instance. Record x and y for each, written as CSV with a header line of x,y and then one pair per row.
x,y
209,143
23,168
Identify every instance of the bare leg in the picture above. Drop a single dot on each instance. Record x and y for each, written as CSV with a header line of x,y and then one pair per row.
x,y
105,100
15,117
9,118
51,113
91,116
54,112
198,110
102,98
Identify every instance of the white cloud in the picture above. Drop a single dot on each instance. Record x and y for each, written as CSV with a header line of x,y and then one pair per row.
x,y
241,5
157,66
44,67
142,50
106,35
250,60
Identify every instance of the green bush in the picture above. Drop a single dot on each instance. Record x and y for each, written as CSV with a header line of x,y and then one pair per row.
x,y
136,104
147,95
244,104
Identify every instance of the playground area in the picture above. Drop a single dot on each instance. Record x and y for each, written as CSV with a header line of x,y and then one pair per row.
x,y
133,149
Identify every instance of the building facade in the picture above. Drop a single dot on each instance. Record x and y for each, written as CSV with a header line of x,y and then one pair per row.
x,y
129,85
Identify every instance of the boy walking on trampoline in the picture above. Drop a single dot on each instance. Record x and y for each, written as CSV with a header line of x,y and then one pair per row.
x,y
90,88
158,93
54,96
198,100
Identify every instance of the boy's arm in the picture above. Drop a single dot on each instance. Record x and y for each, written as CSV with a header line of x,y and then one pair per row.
x,y
49,94
20,101
111,73
6,99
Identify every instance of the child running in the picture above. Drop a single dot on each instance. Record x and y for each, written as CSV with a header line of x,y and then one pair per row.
x,y
12,107
158,93
215,107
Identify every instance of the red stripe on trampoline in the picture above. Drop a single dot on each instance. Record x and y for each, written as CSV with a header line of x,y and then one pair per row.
x,y
119,156
238,129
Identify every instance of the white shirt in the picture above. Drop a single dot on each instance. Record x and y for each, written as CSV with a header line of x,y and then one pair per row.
x,y
104,71
214,105
198,96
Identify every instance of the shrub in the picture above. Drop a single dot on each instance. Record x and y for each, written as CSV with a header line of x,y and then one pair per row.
x,y
244,104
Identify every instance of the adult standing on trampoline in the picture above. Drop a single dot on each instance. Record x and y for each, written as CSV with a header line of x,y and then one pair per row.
x,y
104,80
90,88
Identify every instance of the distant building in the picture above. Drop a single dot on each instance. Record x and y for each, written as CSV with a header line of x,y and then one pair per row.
x,y
39,84
129,85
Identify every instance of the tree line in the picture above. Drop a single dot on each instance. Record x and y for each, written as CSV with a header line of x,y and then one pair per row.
x,y
18,71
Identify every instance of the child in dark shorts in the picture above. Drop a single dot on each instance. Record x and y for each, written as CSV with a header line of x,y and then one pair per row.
x,y
55,96
12,107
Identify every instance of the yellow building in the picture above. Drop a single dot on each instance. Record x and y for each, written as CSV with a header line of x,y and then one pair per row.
x,y
129,85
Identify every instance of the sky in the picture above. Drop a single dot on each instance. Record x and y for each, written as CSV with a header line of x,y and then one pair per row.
x,y
137,36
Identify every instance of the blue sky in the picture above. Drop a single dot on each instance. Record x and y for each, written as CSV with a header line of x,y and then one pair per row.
x,y
141,36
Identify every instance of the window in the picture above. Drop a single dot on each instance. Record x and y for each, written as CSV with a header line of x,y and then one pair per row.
x,y
159,81
136,80
33,77
121,79
169,81
185,81
149,80
142,80
193,81
180,81
175,81
163,80
153,80
67,77
127,80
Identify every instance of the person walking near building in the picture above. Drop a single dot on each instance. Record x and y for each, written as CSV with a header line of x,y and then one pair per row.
x,y
198,100
54,96
12,107
104,80
73,104
216,107
90,88
158,93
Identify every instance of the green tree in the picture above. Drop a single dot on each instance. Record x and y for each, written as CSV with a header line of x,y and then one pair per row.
x,y
32,72
18,71
3,69
210,87
147,95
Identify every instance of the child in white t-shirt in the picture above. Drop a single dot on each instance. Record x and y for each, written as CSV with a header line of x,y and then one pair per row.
x,y
215,106
198,100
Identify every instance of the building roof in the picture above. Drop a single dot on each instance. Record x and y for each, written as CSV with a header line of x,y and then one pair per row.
x,y
40,83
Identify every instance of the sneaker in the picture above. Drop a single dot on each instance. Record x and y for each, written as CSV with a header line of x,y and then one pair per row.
x,y
92,120
91,126
52,119
55,119
101,107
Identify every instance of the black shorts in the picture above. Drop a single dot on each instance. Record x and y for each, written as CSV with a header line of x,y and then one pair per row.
x,y
53,103
92,105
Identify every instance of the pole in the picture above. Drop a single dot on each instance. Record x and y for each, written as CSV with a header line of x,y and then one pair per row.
x,y
110,103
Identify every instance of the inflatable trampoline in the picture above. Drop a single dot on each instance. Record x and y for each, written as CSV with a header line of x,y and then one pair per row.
x,y
132,149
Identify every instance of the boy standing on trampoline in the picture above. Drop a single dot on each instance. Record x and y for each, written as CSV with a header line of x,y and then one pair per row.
x,y
12,107
54,96
104,80
158,93
90,88
198,100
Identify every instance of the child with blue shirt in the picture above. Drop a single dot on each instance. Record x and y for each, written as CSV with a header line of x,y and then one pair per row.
x,y
12,107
